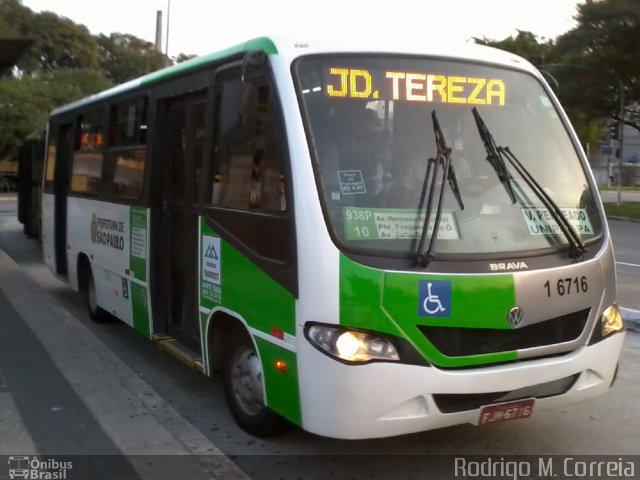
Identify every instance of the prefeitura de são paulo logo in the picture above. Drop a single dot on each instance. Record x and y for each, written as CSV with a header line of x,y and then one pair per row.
x,y
38,469
94,228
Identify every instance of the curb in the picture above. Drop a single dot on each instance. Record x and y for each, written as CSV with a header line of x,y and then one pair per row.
x,y
136,418
623,219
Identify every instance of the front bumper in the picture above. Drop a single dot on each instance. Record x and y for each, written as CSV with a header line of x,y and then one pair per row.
x,y
386,399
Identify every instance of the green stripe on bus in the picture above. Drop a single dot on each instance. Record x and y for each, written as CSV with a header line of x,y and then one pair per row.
x,y
138,246
260,44
139,234
388,302
282,387
140,309
247,290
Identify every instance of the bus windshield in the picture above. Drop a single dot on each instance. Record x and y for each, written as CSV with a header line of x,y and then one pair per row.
x,y
379,158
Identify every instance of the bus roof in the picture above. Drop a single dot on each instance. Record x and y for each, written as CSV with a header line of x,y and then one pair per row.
x,y
160,76
290,49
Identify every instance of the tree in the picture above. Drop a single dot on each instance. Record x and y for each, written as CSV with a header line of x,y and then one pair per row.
x,y
14,18
571,85
25,102
590,62
525,44
60,43
183,57
65,63
603,44
124,56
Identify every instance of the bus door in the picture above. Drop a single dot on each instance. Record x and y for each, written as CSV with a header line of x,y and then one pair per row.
x,y
184,144
64,159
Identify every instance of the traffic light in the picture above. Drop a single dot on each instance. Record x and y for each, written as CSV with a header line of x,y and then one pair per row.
x,y
613,130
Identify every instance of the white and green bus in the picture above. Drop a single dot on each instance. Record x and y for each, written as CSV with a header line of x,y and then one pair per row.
x,y
364,240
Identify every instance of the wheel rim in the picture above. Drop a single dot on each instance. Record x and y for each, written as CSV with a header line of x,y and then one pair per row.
x,y
246,381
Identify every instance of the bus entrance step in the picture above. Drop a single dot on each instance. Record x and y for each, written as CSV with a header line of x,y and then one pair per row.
x,y
180,351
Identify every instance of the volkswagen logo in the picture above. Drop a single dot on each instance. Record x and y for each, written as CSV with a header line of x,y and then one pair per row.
x,y
516,315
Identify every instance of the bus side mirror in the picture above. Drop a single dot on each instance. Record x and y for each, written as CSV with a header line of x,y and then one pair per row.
x,y
254,66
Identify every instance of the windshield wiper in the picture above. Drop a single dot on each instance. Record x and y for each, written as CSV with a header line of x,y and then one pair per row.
x,y
577,247
443,158
493,155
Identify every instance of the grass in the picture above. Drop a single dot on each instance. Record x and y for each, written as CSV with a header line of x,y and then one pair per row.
x,y
624,210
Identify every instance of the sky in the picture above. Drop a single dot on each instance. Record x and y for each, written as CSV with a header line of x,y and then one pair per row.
x,y
203,26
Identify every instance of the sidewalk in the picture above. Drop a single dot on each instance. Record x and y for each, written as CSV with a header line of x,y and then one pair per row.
x,y
611,196
63,392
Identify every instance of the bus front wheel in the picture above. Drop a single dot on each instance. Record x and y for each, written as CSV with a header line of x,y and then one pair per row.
x,y
97,313
243,387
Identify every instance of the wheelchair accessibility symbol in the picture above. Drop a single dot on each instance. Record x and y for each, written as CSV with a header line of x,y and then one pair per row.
x,y
434,299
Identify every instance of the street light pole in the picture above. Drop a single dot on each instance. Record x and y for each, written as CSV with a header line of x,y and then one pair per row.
x,y
620,138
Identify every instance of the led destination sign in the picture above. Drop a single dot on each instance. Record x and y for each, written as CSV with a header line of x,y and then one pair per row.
x,y
414,87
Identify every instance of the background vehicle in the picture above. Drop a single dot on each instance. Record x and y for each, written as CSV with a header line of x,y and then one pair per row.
x,y
8,175
269,212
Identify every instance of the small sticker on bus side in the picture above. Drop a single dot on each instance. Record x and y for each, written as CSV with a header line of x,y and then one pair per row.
x,y
211,265
351,182
125,288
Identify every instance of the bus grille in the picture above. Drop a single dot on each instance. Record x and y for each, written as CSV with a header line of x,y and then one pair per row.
x,y
457,342
457,402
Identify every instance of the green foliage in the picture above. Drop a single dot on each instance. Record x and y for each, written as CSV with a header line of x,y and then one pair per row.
x,y
124,57
629,210
588,63
603,45
183,57
25,103
14,18
65,63
60,43
525,44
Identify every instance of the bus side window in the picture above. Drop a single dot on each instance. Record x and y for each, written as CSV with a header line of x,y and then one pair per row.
x,y
248,162
125,155
50,158
87,157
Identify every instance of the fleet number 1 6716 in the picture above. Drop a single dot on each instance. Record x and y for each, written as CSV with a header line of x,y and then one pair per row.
x,y
567,286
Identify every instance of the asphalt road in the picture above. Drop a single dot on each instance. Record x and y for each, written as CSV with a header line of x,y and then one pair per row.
x,y
626,243
605,425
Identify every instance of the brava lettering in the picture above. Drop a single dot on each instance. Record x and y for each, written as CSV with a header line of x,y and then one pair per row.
x,y
503,267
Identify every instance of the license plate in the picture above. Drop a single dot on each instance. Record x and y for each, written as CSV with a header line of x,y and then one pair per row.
x,y
501,412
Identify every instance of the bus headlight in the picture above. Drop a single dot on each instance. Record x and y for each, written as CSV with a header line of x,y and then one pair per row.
x,y
352,345
611,320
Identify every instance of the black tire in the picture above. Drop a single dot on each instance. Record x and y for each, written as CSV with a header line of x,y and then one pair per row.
x,y
97,313
243,388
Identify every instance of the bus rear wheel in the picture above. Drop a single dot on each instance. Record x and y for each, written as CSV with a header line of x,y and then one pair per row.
x,y
97,313
244,388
